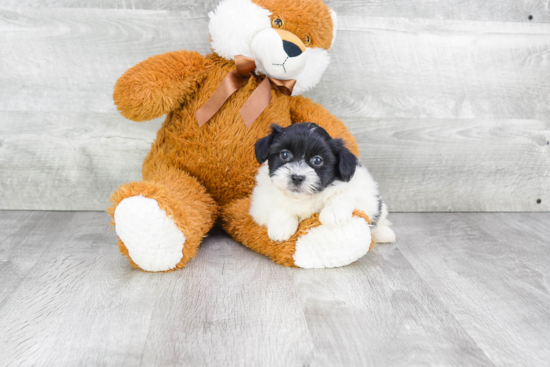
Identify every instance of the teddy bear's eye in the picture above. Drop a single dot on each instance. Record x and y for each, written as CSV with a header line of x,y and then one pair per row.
x,y
278,23
307,40
286,155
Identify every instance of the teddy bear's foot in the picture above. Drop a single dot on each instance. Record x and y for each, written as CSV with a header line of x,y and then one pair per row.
x,y
153,240
162,221
312,246
335,246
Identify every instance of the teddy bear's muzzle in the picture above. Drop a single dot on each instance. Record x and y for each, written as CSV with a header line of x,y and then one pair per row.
x,y
279,53
292,44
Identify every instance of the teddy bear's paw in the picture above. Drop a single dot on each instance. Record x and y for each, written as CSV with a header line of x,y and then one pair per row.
x,y
282,229
335,216
325,247
153,240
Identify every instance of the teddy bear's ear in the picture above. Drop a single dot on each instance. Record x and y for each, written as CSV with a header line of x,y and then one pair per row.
x,y
262,146
233,24
334,26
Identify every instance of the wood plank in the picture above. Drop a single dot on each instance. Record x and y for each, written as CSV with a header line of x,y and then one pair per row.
x,y
69,59
501,10
408,68
20,232
480,10
69,161
199,7
81,305
458,164
231,307
378,312
374,312
438,69
491,271
84,305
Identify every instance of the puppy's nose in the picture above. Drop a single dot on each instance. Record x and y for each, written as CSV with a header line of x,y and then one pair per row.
x,y
292,44
297,179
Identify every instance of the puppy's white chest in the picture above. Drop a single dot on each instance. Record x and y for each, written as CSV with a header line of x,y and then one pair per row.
x,y
303,209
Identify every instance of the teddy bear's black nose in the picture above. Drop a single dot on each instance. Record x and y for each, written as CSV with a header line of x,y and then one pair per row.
x,y
291,49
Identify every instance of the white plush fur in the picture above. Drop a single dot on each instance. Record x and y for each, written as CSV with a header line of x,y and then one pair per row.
x,y
324,247
267,49
235,24
281,210
153,240
318,60
334,17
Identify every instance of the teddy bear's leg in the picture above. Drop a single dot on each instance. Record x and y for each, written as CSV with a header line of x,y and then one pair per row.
x,y
312,246
162,220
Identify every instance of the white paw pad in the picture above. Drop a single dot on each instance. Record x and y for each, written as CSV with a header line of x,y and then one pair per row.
x,y
324,247
153,240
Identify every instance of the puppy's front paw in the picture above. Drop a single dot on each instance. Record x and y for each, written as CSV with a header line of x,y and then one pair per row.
x,y
281,229
335,216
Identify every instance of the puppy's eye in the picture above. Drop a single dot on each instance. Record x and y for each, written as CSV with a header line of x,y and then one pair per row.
x,y
307,40
317,161
286,155
278,23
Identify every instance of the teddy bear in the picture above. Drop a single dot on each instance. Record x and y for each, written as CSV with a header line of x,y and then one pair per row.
x,y
201,167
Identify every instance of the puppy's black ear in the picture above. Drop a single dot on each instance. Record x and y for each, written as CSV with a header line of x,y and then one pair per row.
x,y
277,129
262,146
347,161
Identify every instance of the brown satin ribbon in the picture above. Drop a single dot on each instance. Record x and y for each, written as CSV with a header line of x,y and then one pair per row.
x,y
258,100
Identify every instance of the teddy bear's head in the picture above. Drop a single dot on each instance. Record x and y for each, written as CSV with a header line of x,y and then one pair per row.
x,y
288,39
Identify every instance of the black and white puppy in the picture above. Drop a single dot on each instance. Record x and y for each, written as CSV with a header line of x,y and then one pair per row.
x,y
308,172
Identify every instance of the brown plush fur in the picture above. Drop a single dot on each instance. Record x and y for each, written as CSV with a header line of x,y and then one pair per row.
x,y
193,171
303,18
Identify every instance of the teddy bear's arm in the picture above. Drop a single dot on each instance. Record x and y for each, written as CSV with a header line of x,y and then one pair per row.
x,y
159,84
303,109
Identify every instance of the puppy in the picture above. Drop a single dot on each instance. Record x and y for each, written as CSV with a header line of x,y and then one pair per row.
x,y
308,172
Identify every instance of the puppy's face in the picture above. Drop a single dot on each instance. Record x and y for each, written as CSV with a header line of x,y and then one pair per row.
x,y
303,159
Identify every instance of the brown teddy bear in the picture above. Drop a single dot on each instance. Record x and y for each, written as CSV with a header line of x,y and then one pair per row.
x,y
202,164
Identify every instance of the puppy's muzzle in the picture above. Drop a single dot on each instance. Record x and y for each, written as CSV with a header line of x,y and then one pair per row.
x,y
297,179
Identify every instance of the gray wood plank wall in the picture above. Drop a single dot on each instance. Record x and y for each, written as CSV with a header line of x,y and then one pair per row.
x,y
449,100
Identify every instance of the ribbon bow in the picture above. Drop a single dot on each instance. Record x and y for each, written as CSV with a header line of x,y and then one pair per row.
x,y
258,100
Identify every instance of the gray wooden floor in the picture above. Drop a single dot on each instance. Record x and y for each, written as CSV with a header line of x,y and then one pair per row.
x,y
456,290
